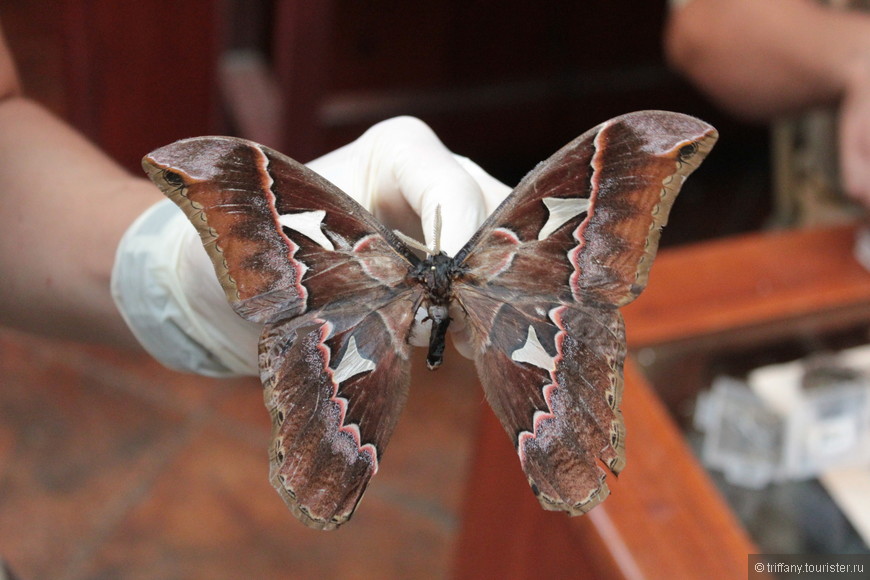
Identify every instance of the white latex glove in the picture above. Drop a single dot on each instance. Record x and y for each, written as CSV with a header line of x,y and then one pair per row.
x,y
400,171
164,284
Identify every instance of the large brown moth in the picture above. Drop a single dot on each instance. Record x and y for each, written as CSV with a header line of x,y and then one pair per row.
x,y
539,286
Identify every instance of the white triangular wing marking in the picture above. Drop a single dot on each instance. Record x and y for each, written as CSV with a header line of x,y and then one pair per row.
x,y
533,352
308,224
561,210
352,364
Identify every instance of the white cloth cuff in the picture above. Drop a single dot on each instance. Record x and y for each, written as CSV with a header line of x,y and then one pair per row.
x,y
170,298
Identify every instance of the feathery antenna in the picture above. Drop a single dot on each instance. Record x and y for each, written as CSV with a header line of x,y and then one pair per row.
x,y
420,246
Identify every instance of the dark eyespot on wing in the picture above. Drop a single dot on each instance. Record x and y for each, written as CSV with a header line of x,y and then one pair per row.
x,y
688,151
173,178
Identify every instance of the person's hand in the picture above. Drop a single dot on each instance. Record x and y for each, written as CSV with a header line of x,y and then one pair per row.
x,y
400,171
165,286
854,133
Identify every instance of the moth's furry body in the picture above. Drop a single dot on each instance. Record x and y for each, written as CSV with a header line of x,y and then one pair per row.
x,y
436,274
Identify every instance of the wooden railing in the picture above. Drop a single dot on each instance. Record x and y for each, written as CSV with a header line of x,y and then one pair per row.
x,y
664,518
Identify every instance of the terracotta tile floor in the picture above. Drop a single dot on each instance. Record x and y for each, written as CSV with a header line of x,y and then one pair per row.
x,y
113,467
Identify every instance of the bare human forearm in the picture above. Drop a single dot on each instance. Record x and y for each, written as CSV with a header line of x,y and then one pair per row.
x,y
63,208
762,58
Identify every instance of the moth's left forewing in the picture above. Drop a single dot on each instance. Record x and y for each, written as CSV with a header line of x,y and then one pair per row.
x,y
544,278
224,187
282,238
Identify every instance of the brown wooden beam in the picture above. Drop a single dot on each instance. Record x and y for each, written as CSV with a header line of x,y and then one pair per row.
x,y
751,289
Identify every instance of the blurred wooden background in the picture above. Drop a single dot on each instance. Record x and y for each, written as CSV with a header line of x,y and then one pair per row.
x,y
506,83
174,484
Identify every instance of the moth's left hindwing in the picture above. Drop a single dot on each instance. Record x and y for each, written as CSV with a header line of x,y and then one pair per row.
x,y
335,383
544,278
329,281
